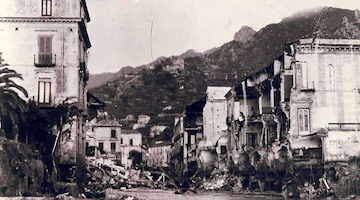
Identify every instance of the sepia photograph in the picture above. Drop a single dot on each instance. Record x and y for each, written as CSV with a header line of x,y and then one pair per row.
x,y
179,99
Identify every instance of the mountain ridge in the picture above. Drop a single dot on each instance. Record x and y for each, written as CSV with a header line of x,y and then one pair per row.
x,y
177,81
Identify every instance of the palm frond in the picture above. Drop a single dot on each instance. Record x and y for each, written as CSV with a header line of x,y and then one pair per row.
x,y
5,70
18,87
8,76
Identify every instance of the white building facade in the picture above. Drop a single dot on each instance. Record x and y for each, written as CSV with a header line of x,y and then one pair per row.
x,y
105,137
325,97
46,41
158,155
130,140
215,113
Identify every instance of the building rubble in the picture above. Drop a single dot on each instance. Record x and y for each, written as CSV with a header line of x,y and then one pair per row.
x,y
104,176
274,172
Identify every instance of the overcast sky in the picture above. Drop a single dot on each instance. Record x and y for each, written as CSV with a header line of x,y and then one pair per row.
x,y
120,29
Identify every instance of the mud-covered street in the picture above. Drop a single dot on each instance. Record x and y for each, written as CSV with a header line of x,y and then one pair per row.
x,y
156,194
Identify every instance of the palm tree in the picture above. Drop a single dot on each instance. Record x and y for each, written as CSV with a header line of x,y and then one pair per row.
x,y
12,106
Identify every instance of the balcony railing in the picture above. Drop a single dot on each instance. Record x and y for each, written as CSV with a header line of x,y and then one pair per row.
x,y
45,60
344,126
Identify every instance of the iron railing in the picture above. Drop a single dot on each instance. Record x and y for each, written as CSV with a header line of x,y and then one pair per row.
x,y
45,60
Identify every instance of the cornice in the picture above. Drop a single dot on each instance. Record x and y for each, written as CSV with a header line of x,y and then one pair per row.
x,y
327,48
40,19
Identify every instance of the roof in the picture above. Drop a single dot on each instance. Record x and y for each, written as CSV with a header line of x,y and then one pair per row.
x,y
130,131
107,123
94,101
197,106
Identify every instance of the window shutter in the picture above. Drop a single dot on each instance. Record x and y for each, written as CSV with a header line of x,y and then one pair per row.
x,y
288,82
48,46
45,50
41,45
304,75
301,120
304,121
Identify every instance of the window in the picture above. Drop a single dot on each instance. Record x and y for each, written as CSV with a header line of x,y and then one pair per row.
x,y
121,141
46,7
113,133
101,147
252,139
113,147
304,120
44,91
302,71
223,149
45,50
131,142
288,84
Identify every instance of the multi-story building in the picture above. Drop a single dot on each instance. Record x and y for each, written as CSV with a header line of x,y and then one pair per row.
x,y
241,107
178,148
105,136
264,103
130,141
188,131
215,112
308,96
47,42
325,97
158,154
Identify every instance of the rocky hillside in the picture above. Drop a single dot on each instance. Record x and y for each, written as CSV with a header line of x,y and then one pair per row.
x,y
244,34
178,80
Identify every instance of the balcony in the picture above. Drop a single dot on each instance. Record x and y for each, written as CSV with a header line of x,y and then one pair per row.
x,y
45,60
344,126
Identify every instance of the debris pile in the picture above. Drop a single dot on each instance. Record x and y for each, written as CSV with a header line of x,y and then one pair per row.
x,y
101,177
345,180
216,183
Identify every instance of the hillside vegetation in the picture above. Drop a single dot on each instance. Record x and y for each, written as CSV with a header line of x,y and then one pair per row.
x,y
162,88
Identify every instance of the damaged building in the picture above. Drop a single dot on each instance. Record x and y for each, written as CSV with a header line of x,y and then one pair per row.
x,y
306,103
188,131
51,54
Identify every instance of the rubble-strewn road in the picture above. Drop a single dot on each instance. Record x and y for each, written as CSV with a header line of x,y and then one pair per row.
x,y
152,194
